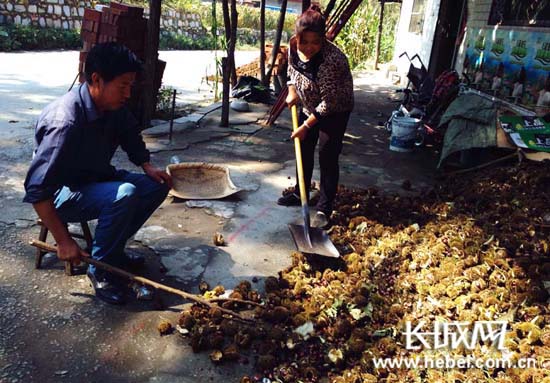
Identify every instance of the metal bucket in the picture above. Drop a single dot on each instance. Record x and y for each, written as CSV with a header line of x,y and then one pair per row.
x,y
403,133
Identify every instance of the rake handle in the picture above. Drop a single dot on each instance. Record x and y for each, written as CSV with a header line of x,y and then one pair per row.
x,y
135,278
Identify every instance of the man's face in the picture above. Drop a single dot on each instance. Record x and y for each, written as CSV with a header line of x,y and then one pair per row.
x,y
111,95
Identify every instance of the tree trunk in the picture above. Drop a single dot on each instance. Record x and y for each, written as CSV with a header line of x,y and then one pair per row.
x,y
214,31
228,63
151,56
233,42
230,22
226,21
277,43
262,43
379,37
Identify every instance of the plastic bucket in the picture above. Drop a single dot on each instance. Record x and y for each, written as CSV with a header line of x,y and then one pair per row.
x,y
403,133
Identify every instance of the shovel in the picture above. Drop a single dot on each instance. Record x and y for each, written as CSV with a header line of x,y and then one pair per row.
x,y
308,239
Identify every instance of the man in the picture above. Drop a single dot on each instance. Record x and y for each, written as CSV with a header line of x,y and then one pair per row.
x,y
71,178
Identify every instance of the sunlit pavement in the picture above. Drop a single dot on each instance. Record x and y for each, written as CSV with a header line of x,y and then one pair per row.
x,y
31,80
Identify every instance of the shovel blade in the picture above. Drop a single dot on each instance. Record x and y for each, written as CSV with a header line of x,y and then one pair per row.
x,y
319,244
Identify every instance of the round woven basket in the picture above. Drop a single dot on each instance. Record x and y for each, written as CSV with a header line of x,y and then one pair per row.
x,y
199,180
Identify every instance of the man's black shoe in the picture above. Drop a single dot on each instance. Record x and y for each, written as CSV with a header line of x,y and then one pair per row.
x,y
133,260
105,289
291,199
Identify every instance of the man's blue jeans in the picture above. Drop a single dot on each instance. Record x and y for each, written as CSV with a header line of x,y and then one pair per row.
x,y
121,207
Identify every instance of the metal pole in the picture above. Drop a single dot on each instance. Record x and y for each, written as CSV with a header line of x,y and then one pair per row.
x,y
172,116
453,61
225,92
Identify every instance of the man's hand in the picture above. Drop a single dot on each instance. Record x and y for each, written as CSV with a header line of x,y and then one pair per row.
x,y
70,251
158,175
292,97
301,133
67,248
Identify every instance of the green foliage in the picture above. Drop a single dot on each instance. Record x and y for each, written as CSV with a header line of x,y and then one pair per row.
x,y
15,37
249,17
173,41
358,38
164,98
184,5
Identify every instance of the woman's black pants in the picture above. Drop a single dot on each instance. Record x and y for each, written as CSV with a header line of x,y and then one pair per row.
x,y
329,131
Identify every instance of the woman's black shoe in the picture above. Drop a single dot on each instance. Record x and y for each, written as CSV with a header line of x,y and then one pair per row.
x,y
320,220
291,199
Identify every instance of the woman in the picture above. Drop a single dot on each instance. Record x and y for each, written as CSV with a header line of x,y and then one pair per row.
x,y
320,78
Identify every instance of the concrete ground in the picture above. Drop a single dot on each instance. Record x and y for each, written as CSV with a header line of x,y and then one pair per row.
x,y
53,328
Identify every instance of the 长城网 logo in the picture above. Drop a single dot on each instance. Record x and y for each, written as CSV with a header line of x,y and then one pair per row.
x,y
452,335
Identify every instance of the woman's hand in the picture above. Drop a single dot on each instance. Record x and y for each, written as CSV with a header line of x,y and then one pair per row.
x,y
301,133
292,97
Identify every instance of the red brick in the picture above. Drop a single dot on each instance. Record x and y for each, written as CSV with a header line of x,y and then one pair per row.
x,y
87,36
87,46
129,9
92,15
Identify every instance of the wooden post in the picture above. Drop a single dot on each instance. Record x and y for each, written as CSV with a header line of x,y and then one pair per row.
x,y
151,56
277,43
329,8
379,37
262,43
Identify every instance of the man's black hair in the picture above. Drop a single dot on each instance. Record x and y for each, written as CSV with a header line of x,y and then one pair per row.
x,y
110,60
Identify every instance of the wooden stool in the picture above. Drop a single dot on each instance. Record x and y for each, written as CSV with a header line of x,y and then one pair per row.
x,y
43,236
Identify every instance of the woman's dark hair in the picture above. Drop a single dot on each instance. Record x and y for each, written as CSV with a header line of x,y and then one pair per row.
x,y
110,60
311,20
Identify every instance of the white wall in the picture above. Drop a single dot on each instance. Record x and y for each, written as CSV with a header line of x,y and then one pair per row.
x,y
413,43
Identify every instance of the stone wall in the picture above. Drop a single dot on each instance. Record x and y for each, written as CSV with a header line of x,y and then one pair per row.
x,y
187,24
66,14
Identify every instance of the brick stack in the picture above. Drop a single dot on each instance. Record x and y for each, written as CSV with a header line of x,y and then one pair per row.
x,y
124,24
89,34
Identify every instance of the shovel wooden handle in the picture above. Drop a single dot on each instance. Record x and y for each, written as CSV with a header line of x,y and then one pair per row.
x,y
299,165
